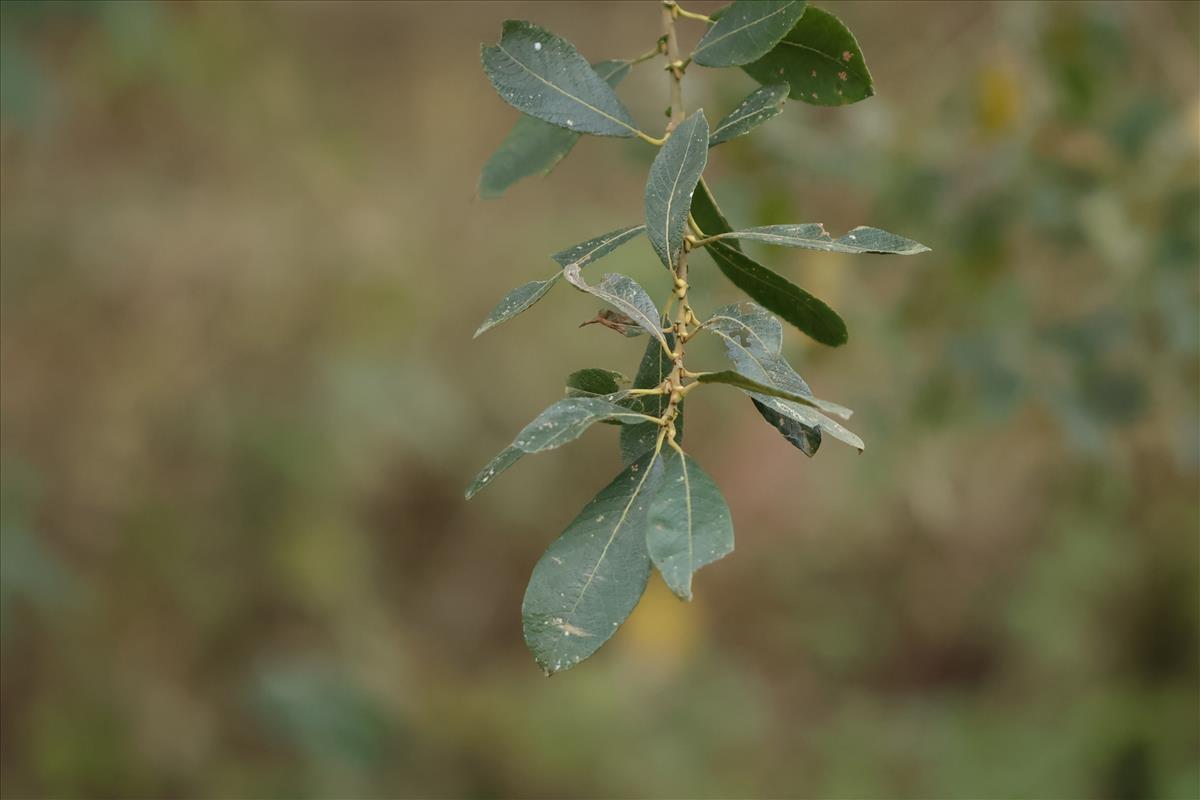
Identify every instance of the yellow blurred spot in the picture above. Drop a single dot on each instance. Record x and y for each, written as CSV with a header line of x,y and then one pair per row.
x,y
662,628
999,100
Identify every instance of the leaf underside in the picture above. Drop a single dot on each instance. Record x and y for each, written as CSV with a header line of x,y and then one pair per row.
x,y
593,249
525,295
812,236
516,301
624,294
806,439
761,105
752,340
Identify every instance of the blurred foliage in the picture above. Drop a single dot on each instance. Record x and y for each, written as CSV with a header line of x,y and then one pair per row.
x,y
241,265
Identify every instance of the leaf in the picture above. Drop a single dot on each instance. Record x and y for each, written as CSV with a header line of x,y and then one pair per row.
x,y
624,294
689,524
640,438
734,378
813,236
505,459
562,422
708,214
779,295
752,341
615,321
673,177
515,302
545,77
585,253
762,104
527,294
820,59
581,255
806,439
594,381
592,576
534,147
747,30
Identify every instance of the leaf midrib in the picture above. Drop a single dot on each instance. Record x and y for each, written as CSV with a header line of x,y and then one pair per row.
x,y
671,195
752,23
565,93
570,615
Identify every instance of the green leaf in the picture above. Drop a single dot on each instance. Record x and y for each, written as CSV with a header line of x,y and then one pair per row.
x,y
762,104
585,253
624,294
592,576
652,371
734,378
506,458
806,439
534,147
689,524
747,30
516,301
594,381
673,177
752,341
779,295
545,77
563,422
812,236
821,61
581,255
708,214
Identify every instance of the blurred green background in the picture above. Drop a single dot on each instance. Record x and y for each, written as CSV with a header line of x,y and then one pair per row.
x,y
242,261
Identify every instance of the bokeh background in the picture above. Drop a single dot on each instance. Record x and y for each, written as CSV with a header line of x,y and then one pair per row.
x,y
242,260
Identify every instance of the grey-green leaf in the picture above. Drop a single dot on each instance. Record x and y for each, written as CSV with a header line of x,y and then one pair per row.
x,y
591,577
505,459
779,295
689,524
708,214
812,236
585,253
652,371
734,378
747,30
560,423
534,147
752,341
820,59
517,301
594,382
669,188
805,438
544,76
762,104
624,294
